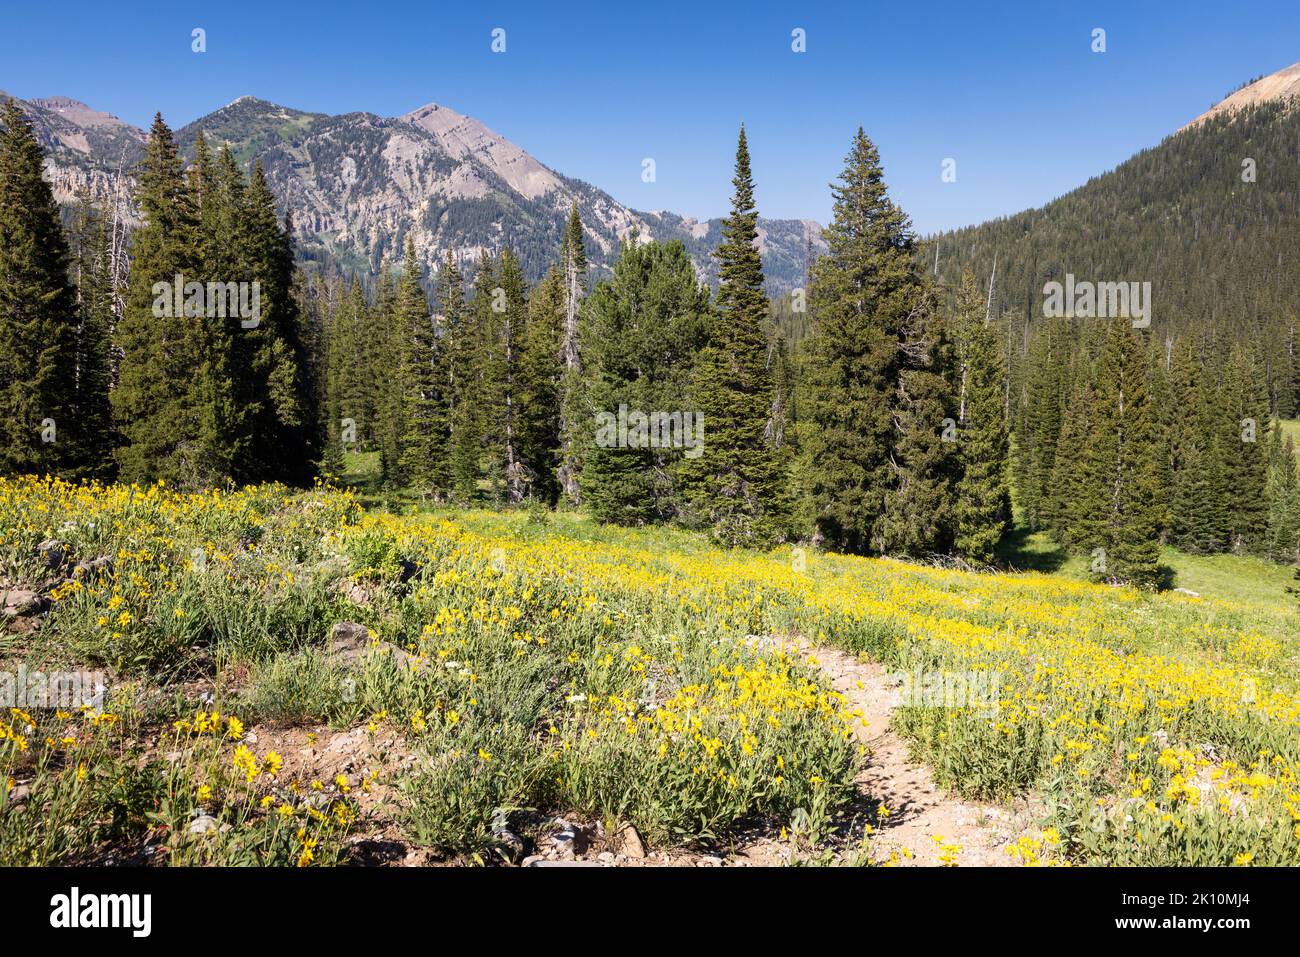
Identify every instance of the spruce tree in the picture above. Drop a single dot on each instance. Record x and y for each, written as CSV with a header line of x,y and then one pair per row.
x,y
451,327
163,399
644,327
982,432
422,447
39,429
502,324
573,410
1245,417
92,456
1193,525
279,425
919,517
1124,441
1283,542
541,380
736,487
468,359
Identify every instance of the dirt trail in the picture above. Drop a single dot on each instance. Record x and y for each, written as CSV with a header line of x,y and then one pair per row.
x,y
919,810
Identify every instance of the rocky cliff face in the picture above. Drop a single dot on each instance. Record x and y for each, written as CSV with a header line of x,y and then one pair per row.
x,y
357,185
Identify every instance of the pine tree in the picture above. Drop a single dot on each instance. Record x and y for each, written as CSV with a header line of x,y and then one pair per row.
x,y
573,411
1193,524
862,292
39,431
919,517
541,379
1125,441
468,359
736,486
279,425
163,399
92,456
643,328
1244,410
422,447
385,354
451,327
1041,414
1283,542
982,434
503,323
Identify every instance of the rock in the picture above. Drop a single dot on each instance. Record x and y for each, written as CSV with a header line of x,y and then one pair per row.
x,y
54,552
349,640
20,794
355,592
606,856
101,565
710,861
569,841
630,843
509,842
203,824
20,602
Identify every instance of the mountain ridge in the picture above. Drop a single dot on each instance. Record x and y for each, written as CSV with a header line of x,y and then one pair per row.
x,y
357,184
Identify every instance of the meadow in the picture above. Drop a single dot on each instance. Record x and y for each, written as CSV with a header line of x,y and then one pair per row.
x,y
478,674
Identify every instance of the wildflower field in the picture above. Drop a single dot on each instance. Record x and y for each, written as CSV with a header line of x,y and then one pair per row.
x,y
492,671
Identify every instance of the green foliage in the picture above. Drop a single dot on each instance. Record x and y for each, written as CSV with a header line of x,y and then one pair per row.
x,y
736,487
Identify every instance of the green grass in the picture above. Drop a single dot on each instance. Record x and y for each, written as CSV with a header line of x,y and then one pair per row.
x,y
1291,427
1246,580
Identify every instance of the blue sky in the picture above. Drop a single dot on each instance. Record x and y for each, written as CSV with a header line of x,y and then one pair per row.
x,y
1011,91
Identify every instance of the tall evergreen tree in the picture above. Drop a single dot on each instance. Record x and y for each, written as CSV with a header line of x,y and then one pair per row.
x,y
422,447
163,399
1125,442
468,358
1244,412
982,434
644,327
39,430
861,295
450,329
736,486
541,381
280,428
1193,521
92,456
573,410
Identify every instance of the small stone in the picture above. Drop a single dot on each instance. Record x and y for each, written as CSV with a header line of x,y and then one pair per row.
x,y
349,639
711,861
606,856
18,602
203,824
20,794
630,843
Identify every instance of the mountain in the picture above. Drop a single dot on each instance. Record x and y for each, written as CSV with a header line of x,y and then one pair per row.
x,y
1210,217
87,152
1284,85
356,185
